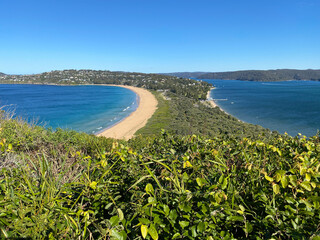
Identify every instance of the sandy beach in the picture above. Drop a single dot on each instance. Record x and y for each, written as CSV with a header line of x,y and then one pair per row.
x,y
136,120
210,100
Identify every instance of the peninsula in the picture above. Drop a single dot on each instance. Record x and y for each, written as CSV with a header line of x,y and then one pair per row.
x,y
204,175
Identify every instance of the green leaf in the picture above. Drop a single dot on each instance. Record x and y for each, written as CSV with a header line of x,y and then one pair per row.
x,y
183,224
172,151
270,179
144,231
118,235
153,232
187,164
242,208
201,227
308,177
249,228
224,184
10,147
199,182
149,189
235,218
221,178
194,231
114,221
284,181
176,235
173,215
93,185
293,180
120,213
279,175
276,188
217,197
166,209
306,185
144,221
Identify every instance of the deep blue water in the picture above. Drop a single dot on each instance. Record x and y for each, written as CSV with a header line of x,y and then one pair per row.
x,y
290,106
82,108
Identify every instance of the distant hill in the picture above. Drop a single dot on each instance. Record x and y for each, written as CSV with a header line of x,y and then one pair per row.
x,y
256,75
2,74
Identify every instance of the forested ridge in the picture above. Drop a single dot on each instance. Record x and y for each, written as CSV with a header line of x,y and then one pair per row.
x,y
255,75
193,172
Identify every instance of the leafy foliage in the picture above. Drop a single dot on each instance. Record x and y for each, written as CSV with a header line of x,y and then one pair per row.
x,y
165,187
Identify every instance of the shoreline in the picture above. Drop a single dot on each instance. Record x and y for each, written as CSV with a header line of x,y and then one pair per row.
x,y
210,99
214,104
127,127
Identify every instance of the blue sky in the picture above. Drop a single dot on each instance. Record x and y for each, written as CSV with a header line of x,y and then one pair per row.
x,y
158,35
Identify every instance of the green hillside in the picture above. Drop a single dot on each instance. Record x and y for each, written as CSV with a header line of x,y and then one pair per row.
x,y
193,172
67,185
255,75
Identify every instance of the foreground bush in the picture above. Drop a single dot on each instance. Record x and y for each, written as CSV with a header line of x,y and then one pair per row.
x,y
167,187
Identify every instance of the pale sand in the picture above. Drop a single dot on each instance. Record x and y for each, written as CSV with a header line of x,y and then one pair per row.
x,y
210,100
138,119
213,104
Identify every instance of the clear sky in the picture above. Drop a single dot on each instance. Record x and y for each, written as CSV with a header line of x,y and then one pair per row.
x,y
158,35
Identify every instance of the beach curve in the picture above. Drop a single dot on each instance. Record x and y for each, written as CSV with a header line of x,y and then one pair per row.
x,y
210,99
126,128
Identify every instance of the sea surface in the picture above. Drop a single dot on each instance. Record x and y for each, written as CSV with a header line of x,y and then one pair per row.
x,y
87,109
289,106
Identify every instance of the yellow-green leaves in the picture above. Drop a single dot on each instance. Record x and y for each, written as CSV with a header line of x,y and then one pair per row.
x,y
120,214
187,164
293,180
93,185
306,185
276,188
201,181
308,177
153,232
270,179
223,181
144,231
183,224
149,189
242,209
284,181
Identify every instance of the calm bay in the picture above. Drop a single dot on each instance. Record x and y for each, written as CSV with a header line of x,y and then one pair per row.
x,y
288,106
84,108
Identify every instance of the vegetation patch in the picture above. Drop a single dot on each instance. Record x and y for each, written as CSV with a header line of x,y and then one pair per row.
x,y
70,185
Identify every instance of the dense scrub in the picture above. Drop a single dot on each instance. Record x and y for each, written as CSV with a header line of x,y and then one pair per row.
x,y
68,185
185,116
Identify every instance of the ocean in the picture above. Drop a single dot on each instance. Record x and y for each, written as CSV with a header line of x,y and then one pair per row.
x,y
288,106
84,108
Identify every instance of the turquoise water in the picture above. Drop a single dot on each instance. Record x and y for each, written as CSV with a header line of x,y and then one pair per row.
x,y
87,109
290,106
